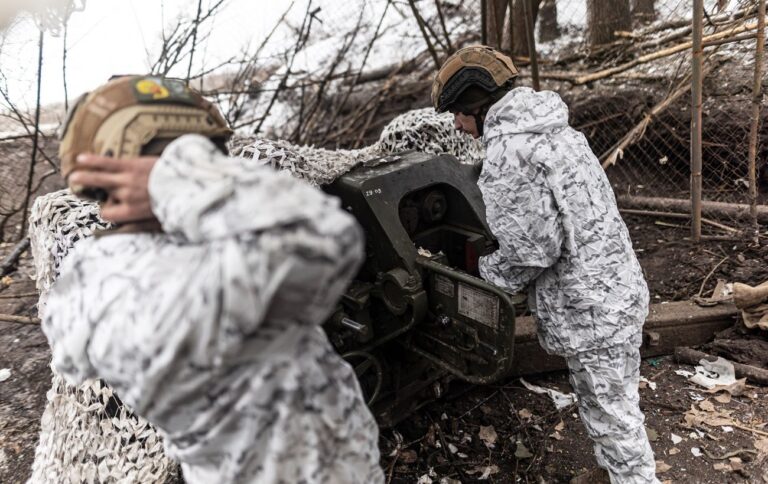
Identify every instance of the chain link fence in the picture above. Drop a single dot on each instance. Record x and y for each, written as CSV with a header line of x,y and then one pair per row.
x,y
624,68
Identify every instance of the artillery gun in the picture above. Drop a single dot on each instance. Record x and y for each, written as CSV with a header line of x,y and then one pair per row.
x,y
417,315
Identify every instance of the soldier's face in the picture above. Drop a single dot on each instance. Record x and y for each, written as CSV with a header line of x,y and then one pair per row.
x,y
466,124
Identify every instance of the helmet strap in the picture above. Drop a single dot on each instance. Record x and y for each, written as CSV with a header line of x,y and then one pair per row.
x,y
479,122
480,116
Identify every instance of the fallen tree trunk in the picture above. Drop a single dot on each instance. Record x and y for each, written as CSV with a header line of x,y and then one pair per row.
x,y
710,209
752,373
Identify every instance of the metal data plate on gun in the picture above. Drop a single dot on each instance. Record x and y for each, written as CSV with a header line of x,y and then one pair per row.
x,y
477,322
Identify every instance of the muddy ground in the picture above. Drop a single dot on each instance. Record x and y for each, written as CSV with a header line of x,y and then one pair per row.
x,y
502,432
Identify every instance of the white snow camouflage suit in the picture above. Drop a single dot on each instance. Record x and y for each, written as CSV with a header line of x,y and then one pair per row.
x,y
549,203
210,330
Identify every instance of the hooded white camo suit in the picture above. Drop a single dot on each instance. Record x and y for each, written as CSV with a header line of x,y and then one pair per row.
x,y
551,207
210,329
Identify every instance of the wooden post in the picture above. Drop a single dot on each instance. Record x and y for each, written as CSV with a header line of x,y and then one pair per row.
x,y
529,27
696,87
484,22
757,98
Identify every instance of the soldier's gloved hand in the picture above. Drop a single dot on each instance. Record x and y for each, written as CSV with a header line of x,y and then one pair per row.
x,y
125,180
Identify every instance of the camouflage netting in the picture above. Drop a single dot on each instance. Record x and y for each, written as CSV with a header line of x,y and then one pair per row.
x,y
420,129
87,433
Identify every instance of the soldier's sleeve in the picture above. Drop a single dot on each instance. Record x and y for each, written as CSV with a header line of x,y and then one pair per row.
x,y
524,217
203,195
257,252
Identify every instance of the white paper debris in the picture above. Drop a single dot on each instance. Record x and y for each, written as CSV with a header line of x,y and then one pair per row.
x,y
727,428
424,252
712,373
5,374
427,478
676,439
684,373
651,384
488,472
560,399
696,451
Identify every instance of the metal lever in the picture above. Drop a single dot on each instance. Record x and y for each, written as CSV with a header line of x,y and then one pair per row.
x,y
354,326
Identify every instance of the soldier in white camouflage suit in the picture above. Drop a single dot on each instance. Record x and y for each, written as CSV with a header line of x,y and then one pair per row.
x,y
202,311
560,234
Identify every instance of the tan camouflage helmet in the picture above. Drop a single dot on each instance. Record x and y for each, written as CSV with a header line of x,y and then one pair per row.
x,y
134,116
476,65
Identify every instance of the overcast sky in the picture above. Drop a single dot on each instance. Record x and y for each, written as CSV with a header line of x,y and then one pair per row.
x,y
114,36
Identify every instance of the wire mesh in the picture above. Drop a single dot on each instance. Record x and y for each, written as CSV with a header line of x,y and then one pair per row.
x,y
638,115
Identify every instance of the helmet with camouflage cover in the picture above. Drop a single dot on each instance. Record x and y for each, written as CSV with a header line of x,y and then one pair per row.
x,y
134,116
472,78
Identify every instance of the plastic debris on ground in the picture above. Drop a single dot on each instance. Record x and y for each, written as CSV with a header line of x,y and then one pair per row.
x,y
5,374
644,382
718,375
560,399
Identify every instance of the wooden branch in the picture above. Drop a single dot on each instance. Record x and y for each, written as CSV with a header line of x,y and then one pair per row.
x,y
757,102
738,38
10,260
195,26
686,30
635,134
245,72
439,8
16,137
711,209
752,373
660,54
25,123
340,106
304,31
652,213
35,139
19,296
424,33
10,318
674,24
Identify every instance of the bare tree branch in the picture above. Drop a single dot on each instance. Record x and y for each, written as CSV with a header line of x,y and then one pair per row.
x,y
35,139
